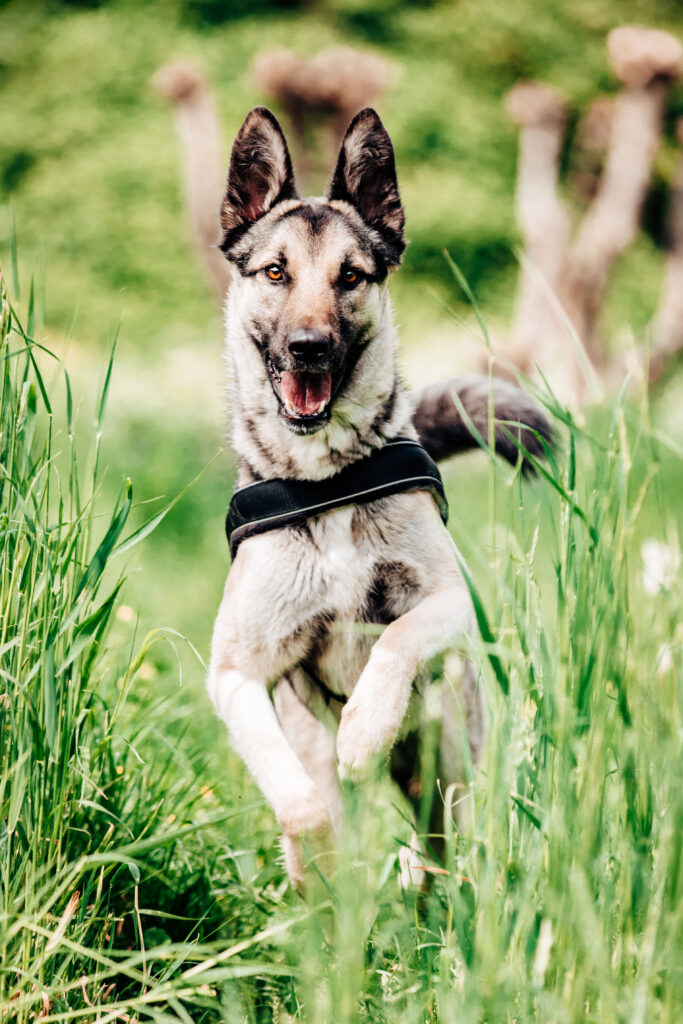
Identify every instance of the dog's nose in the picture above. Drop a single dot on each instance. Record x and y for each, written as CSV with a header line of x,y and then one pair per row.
x,y
309,344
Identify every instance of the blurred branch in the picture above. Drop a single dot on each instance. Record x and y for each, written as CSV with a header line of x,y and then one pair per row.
x,y
590,145
576,274
645,61
541,114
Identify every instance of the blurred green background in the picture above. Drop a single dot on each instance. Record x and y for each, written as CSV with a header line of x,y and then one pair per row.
x,y
90,172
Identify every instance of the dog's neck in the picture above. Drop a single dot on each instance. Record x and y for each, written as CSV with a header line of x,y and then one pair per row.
x,y
371,409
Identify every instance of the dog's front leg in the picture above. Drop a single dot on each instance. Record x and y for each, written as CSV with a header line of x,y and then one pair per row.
x,y
314,745
245,706
372,718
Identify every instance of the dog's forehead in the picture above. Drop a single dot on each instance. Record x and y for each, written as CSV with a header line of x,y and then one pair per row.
x,y
314,230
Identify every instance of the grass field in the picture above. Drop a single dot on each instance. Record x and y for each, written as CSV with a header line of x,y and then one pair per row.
x,y
140,877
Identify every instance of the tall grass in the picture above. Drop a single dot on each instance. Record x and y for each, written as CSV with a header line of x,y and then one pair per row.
x,y
140,879
99,814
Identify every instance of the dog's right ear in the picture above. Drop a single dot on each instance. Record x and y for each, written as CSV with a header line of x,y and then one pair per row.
x,y
260,175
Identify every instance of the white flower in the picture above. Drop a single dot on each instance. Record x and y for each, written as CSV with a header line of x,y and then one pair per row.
x,y
661,563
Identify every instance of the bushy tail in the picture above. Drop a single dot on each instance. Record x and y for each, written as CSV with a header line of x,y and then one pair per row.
x,y
444,430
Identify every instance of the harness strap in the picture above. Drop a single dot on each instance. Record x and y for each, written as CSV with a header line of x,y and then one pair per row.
x,y
401,465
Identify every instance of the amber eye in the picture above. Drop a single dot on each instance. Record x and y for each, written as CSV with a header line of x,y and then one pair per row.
x,y
274,273
350,277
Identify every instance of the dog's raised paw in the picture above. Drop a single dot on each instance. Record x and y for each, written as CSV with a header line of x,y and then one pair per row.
x,y
303,813
358,745
363,735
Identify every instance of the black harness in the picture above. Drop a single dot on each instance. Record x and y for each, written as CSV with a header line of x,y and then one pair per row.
x,y
401,465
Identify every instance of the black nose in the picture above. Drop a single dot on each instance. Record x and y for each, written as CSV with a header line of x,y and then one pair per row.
x,y
309,344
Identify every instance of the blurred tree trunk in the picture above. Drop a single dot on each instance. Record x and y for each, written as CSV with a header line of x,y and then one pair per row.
x,y
199,135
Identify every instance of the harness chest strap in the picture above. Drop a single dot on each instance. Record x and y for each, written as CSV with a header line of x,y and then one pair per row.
x,y
401,465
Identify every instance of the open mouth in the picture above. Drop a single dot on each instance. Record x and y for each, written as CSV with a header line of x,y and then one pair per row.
x,y
304,396
305,393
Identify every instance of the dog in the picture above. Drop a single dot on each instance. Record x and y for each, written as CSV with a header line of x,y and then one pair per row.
x,y
314,388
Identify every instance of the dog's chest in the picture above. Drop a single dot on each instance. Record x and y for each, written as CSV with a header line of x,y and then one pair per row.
x,y
366,576
318,596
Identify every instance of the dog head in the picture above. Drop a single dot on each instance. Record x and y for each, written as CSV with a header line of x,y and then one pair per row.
x,y
310,271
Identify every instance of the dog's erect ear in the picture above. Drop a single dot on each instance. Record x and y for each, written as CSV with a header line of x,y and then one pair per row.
x,y
365,176
260,174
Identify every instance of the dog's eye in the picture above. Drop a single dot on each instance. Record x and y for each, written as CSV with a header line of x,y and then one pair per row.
x,y
274,273
350,277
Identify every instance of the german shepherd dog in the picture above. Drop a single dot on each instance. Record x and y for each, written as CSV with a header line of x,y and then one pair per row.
x,y
311,356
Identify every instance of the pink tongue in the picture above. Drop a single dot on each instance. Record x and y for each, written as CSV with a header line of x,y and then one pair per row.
x,y
303,392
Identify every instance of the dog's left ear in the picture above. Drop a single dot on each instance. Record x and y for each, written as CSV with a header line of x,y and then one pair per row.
x,y
260,174
365,176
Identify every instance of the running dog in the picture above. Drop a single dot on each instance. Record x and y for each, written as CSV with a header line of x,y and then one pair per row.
x,y
311,357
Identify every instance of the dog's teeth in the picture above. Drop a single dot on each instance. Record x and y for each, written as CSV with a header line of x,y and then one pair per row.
x,y
292,411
